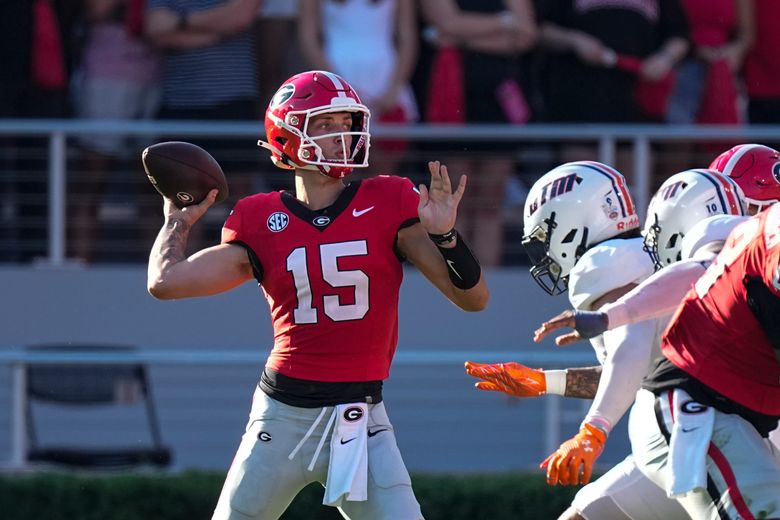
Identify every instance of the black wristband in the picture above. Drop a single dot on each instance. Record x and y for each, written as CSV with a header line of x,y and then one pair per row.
x,y
590,323
462,266
447,237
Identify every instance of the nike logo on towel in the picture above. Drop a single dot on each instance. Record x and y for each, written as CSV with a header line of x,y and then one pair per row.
x,y
357,213
372,433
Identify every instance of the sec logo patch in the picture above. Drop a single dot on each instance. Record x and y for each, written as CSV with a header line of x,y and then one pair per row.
x,y
278,221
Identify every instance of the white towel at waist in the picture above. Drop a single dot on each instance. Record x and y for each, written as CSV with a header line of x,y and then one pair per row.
x,y
691,433
348,465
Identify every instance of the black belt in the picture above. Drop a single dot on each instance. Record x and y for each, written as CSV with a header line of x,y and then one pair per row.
x,y
304,393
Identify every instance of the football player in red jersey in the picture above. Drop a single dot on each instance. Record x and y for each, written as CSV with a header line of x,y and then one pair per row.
x,y
328,258
756,168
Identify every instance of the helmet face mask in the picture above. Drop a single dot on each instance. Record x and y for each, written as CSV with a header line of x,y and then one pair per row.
x,y
652,232
288,121
756,169
545,270
682,201
569,209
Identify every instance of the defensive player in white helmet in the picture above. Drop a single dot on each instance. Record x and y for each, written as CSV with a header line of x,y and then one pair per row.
x,y
623,492
756,169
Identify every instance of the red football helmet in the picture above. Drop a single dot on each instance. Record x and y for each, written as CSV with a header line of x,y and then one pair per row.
x,y
756,168
288,116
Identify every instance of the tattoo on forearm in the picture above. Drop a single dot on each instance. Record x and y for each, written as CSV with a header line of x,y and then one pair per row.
x,y
582,382
172,242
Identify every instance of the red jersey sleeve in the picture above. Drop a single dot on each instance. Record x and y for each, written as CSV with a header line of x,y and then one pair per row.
x,y
409,199
231,230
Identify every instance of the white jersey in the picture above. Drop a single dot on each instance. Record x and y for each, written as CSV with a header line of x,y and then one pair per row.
x,y
709,235
604,268
626,353
662,293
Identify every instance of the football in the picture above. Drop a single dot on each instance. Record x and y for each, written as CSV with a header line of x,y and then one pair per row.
x,y
183,172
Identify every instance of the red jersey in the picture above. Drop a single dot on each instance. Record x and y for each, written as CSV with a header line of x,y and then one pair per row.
x,y
331,277
715,337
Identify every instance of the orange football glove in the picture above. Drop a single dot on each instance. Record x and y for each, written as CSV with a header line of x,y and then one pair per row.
x,y
510,378
572,463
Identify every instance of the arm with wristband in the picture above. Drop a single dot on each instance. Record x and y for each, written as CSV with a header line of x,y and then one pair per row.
x,y
657,296
437,250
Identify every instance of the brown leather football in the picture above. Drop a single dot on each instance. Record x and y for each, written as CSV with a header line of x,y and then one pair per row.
x,y
183,172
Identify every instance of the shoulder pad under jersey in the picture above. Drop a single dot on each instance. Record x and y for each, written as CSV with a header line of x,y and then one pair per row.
x,y
607,266
707,231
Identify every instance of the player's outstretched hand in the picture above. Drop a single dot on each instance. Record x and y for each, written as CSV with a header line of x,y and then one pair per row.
x,y
189,214
572,462
586,324
511,378
438,206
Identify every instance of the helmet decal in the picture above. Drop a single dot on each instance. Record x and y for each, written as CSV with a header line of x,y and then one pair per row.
x,y
284,93
554,188
618,182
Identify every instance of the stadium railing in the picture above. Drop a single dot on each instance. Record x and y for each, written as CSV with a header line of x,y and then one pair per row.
x,y
607,137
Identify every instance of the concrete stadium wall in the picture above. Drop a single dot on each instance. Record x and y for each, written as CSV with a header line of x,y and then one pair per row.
x,y
442,423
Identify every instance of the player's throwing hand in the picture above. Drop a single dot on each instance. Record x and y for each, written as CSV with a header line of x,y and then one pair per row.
x,y
189,214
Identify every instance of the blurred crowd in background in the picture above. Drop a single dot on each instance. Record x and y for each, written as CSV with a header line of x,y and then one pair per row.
x,y
456,62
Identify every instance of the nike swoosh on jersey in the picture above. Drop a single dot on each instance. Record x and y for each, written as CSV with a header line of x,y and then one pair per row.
x,y
372,433
348,440
357,213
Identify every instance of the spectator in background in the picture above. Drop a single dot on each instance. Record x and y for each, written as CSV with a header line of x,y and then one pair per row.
x,y
118,79
585,39
762,65
278,20
706,85
38,46
475,79
377,55
721,33
209,73
609,62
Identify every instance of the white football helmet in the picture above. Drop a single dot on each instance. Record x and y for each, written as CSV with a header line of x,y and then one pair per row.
x,y
568,210
683,200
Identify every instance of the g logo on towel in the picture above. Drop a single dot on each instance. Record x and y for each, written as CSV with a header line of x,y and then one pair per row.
x,y
692,407
353,414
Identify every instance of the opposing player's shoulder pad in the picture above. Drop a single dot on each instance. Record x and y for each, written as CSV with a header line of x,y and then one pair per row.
x,y
605,267
709,232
